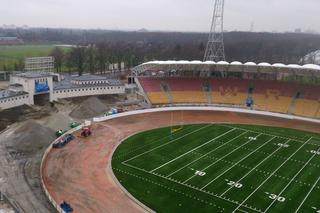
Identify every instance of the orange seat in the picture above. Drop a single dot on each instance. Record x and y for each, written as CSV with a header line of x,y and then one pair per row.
x,y
189,97
305,107
158,97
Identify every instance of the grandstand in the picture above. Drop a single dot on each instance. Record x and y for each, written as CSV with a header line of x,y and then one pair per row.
x,y
262,87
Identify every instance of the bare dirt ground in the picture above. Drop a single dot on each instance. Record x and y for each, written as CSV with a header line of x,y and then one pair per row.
x,y
78,173
25,132
4,84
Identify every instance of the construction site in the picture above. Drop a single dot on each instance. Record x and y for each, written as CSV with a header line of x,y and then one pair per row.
x,y
25,133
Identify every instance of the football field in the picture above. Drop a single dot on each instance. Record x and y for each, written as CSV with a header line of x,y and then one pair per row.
x,y
222,168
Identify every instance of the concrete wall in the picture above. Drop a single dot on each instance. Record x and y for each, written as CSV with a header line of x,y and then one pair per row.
x,y
15,101
28,85
87,91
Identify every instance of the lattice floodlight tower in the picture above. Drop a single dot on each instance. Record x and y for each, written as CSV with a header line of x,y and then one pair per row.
x,y
215,46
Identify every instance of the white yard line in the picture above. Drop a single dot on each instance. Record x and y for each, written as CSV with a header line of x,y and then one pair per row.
x,y
197,130
180,156
294,177
207,154
249,172
248,155
190,186
222,158
314,185
247,198
265,133
148,144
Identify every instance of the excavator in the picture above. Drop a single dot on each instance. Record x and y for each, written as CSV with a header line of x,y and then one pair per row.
x,y
86,132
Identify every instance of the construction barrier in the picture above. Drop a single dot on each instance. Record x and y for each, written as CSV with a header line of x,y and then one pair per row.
x,y
206,108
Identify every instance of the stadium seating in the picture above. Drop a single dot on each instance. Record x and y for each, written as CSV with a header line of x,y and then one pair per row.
x,y
150,84
309,103
152,88
305,107
187,90
229,91
158,97
271,96
189,97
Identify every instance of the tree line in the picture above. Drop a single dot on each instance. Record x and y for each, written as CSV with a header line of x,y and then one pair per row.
x,y
96,49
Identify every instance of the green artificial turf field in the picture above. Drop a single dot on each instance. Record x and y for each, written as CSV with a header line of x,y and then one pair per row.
x,y
222,168
9,55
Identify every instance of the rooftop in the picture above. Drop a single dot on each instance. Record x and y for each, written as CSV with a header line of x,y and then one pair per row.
x,y
66,83
90,78
9,93
34,74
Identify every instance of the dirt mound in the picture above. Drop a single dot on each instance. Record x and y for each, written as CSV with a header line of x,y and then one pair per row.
x,y
22,113
89,108
58,121
29,138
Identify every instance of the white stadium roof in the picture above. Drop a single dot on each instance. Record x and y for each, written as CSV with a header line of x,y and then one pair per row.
x,y
226,66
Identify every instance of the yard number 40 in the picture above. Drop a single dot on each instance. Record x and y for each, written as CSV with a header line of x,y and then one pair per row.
x,y
200,173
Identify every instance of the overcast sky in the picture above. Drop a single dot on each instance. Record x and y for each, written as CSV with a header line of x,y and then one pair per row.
x,y
171,15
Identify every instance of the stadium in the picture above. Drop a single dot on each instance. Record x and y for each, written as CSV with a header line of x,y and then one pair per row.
x,y
213,137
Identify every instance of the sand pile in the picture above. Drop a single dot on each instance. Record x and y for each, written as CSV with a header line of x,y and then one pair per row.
x,y
89,108
22,113
58,121
30,138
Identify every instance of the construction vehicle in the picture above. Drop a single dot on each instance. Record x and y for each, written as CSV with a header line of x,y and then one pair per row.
x,y
66,207
63,141
74,125
86,132
60,133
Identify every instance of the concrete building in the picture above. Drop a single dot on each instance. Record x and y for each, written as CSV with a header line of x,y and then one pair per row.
x,y
35,87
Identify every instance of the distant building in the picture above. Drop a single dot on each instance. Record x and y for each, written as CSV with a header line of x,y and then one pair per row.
x,y
10,41
39,87
43,64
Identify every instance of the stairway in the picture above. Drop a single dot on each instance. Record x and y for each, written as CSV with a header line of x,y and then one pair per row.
x,y
206,87
166,89
293,103
250,94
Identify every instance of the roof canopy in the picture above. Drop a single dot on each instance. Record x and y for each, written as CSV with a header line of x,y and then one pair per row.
x,y
308,69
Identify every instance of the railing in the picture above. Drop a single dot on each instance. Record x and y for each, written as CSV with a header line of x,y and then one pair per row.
x,y
205,108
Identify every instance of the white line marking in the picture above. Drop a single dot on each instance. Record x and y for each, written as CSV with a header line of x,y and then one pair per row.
x,y
197,130
192,150
314,185
265,133
249,172
221,158
190,186
148,144
294,177
207,154
265,143
270,175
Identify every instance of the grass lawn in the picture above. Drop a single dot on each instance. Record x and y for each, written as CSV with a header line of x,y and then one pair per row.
x,y
222,168
9,55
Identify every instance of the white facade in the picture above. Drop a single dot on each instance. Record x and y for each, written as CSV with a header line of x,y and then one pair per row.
x,y
28,84
87,91
23,89
15,101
